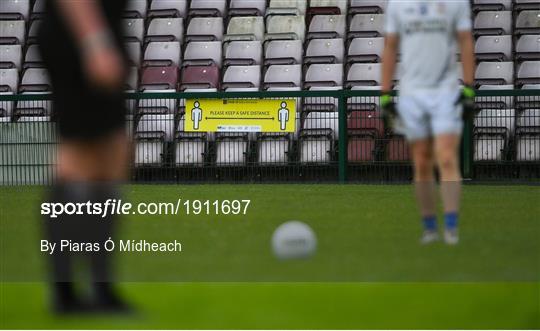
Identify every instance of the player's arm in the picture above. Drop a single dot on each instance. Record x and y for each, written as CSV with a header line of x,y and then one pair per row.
x,y
389,60
102,61
466,45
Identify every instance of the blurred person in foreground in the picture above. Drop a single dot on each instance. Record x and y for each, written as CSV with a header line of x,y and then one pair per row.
x,y
80,42
431,104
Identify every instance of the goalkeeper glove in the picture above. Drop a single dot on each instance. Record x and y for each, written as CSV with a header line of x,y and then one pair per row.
x,y
388,108
466,99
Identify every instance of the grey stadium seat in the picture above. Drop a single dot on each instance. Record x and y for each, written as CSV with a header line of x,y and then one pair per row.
x,y
366,25
529,101
245,28
286,27
168,8
247,8
342,5
33,31
364,74
32,58
494,48
203,53
205,29
283,76
327,26
520,5
6,107
11,56
157,106
286,7
15,10
491,5
133,29
528,22
9,80
325,51
324,75
493,23
166,29
493,129
528,48
367,6
133,50
498,73
284,52
12,32
529,73
216,8
163,53
136,9
190,147
495,101
38,11
35,80
242,76
243,53
365,50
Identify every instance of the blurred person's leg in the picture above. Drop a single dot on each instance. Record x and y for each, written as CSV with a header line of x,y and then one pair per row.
x,y
424,184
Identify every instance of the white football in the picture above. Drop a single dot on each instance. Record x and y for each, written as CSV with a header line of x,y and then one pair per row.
x,y
294,240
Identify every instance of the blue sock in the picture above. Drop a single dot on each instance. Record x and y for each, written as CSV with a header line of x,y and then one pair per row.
x,y
430,223
451,220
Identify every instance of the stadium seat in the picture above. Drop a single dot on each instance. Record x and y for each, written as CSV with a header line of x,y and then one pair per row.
x,y
285,27
6,107
9,80
338,6
168,8
165,29
136,9
528,144
158,106
245,28
231,149
162,53
320,130
38,10
286,7
497,73
528,73
327,26
242,76
131,85
283,52
529,101
32,58
200,77
493,129
12,32
397,149
324,51
212,8
203,53
15,10
365,50
11,56
133,29
32,108
494,48
370,103
190,148
324,75
35,80
33,31
367,7
491,5
364,129
366,25
243,53
159,78
495,101
520,5
493,23
364,74
133,50
528,48
205,29
247,8
273,149
283,76
157,123
528,22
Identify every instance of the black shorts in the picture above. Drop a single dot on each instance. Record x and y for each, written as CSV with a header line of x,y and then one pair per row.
x,y
82,111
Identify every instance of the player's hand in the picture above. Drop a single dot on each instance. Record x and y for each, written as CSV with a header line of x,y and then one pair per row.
x,y
466,99
388,108
103,65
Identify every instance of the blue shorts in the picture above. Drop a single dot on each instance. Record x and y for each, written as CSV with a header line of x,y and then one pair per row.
x,y
428,114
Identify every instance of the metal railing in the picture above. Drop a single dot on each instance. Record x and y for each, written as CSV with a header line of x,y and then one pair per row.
x,y
339,137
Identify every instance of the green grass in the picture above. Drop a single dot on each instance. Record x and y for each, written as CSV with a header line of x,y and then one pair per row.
x,y
369,270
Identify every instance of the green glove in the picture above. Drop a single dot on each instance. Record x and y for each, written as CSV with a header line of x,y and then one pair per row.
x,y
388,108
466,99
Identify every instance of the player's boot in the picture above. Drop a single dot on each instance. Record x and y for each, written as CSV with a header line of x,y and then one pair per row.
x,y
451,236
429,236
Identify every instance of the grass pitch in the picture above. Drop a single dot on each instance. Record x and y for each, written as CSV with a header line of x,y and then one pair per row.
x,y
369,270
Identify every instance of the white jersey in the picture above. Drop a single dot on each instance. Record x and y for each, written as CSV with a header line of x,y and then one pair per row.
x,y
427,31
